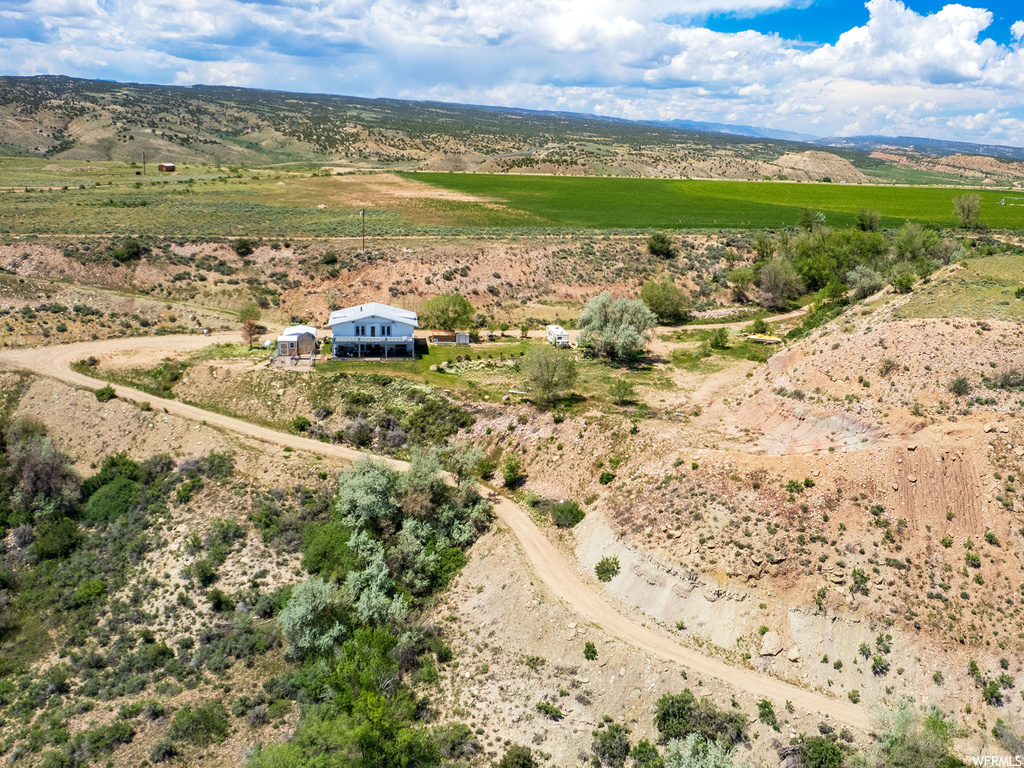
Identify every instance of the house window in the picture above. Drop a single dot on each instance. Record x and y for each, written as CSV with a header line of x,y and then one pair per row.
x,y
373,330
385,330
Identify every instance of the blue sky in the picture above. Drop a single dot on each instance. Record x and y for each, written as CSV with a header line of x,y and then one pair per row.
x,y
822,67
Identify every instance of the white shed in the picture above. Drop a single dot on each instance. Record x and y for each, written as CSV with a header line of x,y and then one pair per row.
x,y
297,341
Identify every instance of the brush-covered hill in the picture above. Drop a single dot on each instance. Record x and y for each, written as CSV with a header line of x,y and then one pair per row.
x,y
71,119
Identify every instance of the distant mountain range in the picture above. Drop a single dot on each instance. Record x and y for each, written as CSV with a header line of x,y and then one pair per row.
x,y
930,147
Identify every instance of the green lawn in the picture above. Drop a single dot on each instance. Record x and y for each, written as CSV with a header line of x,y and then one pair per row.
x,y
611,203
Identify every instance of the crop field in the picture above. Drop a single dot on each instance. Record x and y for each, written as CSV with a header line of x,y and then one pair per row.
x,y
607,203
204,201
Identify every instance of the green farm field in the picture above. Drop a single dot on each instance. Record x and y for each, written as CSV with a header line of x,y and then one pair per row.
x,y
210,201
609,203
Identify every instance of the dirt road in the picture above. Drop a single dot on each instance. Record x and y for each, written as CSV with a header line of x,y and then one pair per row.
x,y
560,578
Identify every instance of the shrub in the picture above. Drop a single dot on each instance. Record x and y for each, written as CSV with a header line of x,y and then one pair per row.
x,y
766,714
904,281
659,244
879,666
669,303
163,751
202,725
611,745
512,470
681,714
517,756
821,753
243,246
606,477
621,391
300,424
565,514
590,651
864,281
719,338
607,569
220,601
56,539
326,552
105,393
959,386
549,709
311,619
112,501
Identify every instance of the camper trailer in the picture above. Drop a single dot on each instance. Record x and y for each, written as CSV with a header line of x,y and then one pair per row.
x,y
558,336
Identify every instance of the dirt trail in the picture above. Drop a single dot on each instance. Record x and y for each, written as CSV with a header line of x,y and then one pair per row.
x,y
563,581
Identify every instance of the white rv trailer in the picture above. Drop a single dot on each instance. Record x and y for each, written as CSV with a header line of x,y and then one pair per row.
x,y
557,336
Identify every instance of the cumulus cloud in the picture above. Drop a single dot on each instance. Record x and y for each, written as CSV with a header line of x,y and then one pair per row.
x,y
902,71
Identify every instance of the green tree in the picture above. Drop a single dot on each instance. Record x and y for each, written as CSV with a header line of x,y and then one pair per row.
x,y
779,282
764,246
740,280
447,312
809,219
868,220
967,209
618,329
912,242
659,244
664,299
249,311
549,372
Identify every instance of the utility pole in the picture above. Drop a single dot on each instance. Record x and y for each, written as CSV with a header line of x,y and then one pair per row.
x,y
362,215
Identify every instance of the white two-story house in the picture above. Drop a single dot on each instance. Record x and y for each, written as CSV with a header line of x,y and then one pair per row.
x,y
372,330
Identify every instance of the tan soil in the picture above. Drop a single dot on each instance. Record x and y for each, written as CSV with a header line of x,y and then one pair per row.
x,y
558,576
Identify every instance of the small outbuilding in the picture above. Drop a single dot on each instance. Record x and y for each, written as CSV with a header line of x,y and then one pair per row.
x,y
165,167
298,341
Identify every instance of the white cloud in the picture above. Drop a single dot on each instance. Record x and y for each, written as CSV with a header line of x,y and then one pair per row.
x,y
900,72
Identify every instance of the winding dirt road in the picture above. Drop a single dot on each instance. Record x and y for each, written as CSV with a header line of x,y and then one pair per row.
x,y
560,578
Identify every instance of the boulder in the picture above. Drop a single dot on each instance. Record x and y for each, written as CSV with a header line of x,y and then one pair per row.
x,y
771,644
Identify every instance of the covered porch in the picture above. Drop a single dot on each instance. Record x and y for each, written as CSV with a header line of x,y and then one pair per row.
x,y
364,347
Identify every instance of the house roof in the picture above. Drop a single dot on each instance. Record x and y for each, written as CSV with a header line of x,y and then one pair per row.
x,y
297,330
373,309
